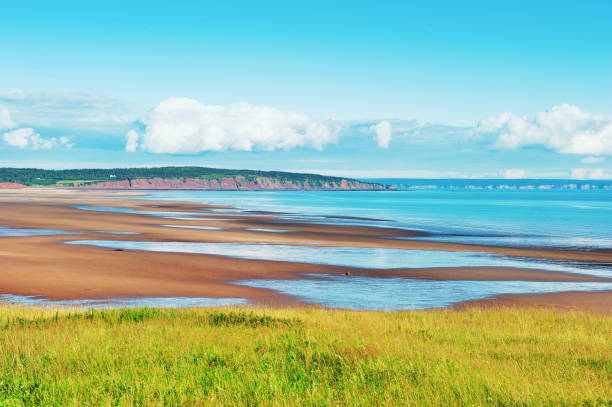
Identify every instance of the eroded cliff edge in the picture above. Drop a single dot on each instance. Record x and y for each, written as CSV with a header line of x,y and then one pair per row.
x,y
202,178
234,183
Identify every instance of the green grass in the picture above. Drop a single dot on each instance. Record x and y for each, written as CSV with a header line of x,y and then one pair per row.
x,y
245,356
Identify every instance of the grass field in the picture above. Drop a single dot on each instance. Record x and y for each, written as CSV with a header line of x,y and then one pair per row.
x,y
246,356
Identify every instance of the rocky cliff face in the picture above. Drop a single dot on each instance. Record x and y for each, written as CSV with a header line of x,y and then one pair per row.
x,y
234,183
11,185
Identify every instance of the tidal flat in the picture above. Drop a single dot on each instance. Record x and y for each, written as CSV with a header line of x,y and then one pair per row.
x,y
131,251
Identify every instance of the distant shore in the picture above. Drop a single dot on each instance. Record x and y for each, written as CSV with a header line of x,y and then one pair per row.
x,y
183,178
44,266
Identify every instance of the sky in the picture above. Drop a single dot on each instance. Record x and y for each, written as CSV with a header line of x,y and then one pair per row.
x,y
473,89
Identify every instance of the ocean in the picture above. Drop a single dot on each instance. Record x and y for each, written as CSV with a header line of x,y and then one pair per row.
x,y
563,214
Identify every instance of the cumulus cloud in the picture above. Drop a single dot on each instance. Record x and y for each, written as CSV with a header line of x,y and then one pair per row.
x,y
564,128
62,141
186,126
384,133
27,137
585,173
131,143
5,119
513,174
592,160
23,137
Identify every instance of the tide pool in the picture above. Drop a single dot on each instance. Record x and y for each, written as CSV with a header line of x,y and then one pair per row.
x,y
160,302
22,232
406,294
357,257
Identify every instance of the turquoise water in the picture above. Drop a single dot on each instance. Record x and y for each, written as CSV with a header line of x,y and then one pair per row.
x,y
556,217
114,209
22,232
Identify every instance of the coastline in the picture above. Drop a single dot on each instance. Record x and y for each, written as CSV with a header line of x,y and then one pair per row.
x,y
592,301
61,272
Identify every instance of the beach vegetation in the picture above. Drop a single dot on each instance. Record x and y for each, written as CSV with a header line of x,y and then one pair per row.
x,y
303,356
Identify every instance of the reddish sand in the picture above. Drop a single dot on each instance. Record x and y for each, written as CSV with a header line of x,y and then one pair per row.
x,y
600,301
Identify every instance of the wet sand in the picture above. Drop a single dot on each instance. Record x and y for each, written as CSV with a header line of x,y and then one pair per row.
x,y
597,301
43,265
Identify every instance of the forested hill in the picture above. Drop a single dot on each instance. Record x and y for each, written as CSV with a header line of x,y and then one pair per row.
x,y
179,178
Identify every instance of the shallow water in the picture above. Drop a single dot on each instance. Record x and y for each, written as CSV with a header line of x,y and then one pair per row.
x,y
110,232
193,227
268,230
134,211
560,243
19,232
558,216
196,218
162,302
357,257
402,294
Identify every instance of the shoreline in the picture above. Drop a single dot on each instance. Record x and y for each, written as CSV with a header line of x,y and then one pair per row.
x,y
62,272
592,301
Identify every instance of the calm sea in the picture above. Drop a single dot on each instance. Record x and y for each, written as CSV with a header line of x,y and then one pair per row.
x,y
540,213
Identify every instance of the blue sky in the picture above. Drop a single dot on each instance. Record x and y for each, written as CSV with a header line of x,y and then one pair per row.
x,y
433,89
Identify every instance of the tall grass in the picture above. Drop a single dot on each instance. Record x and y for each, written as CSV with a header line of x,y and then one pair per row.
x,y
246,356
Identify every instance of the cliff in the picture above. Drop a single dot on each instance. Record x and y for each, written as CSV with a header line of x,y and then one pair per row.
x,y
239,183
178,178
11,185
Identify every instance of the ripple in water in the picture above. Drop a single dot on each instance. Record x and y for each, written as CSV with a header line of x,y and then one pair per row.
x,y
357,257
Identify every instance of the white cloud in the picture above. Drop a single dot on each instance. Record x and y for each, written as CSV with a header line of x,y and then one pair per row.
x,y
185,126
585,173
131,141
25,137
564,128
5,119
65,141
84,111
513,174
383,132
18,138
592,160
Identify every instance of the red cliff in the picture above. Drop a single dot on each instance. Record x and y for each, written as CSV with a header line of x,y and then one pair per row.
x,y
11,185
233,183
